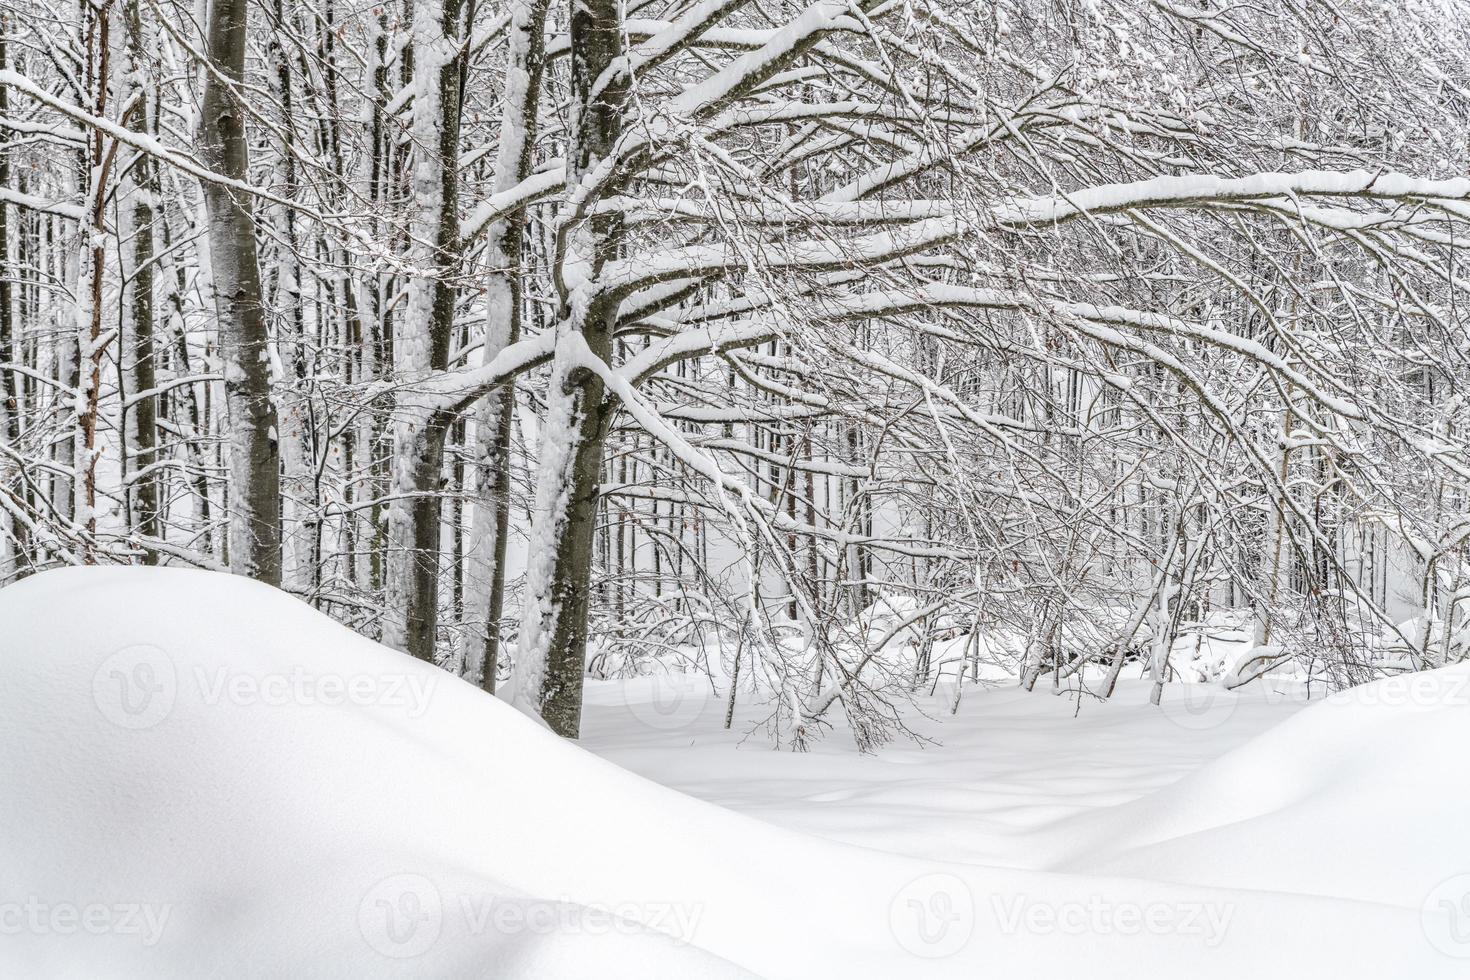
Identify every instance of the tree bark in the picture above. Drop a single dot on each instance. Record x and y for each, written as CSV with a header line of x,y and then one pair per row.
x,y
254,457
98,157
140,353
9,393
485,557
300,526
422,343
553,640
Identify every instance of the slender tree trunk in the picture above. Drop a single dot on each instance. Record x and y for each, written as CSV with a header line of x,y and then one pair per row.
x,y
422,343
93,254
139,347
254,457
186,399
9,389
485,586
141,356
64,267
300,507
375,326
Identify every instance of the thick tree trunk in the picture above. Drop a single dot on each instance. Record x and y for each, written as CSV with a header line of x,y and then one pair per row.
x,y
553,640
254,458
413,535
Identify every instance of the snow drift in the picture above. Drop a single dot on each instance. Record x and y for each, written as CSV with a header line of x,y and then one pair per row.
x,y
201,775
1364,795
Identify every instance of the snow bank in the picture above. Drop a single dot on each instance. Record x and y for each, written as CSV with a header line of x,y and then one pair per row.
x,y
1363,795
230,783
200,775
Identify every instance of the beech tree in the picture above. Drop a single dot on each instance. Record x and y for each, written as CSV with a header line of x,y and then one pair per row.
x,y
254,453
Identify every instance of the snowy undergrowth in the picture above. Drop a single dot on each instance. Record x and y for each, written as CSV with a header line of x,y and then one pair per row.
x,y
200,771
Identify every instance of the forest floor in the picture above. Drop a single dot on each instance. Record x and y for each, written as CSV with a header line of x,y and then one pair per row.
x,y
982,785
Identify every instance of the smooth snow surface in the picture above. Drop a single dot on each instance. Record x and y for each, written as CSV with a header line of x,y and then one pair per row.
x,y
202,776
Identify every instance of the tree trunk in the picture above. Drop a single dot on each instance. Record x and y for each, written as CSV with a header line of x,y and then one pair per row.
x,y
422,344
300,506
139,347
485,600
254,458
553,640
9,388
93,254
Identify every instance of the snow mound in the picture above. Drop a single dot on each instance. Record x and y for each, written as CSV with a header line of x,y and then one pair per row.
x,y
1362,795
200,776
229,782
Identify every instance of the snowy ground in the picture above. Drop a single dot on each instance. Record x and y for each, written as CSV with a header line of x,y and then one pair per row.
x,y
200,776
996,775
